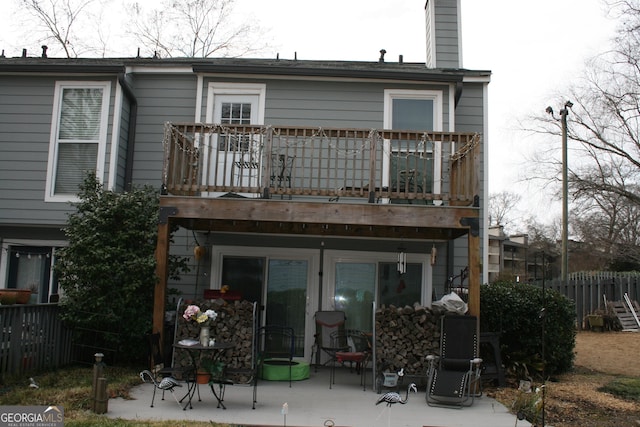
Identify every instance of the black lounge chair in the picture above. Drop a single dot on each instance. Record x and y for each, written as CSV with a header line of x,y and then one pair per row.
x,y
454,376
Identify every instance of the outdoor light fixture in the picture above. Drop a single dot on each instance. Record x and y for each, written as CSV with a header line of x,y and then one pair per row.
x,y
402,261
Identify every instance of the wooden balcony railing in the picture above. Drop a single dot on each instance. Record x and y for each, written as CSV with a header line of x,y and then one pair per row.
x,y
303,163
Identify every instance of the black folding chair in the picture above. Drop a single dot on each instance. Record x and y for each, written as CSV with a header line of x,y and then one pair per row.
x,y
454,375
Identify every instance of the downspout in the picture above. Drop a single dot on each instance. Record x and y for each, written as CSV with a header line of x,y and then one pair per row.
x,y
458,93
131,137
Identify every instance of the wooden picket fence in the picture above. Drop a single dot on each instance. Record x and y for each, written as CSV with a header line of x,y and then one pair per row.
x,y
32,337
591,290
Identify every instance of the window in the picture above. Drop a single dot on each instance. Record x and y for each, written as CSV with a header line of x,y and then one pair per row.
x,y
78,136
236,113
29,265
399,289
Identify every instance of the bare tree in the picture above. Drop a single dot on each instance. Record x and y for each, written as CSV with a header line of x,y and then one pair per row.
x,y
608,229
501,205
194,28
58,21
604,143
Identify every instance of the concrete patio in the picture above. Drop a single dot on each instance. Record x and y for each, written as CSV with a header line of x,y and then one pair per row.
x,y
312,403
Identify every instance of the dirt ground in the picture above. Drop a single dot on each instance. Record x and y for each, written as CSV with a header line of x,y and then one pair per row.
x,y
572,400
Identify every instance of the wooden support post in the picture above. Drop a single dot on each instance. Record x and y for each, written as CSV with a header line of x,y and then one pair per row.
x,y
162,273
97,395
475,274
102,397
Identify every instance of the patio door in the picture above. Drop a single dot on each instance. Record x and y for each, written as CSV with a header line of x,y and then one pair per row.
x,y
355,292
286,297
278,285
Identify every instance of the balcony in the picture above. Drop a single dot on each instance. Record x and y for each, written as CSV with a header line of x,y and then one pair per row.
x,y
321,164
355,186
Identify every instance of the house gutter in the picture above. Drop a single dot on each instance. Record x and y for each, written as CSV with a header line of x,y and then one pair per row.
x,y
372,73
39,67
131,137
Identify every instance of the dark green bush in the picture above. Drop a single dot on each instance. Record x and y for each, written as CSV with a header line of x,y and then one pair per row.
x,y
107,271
515,311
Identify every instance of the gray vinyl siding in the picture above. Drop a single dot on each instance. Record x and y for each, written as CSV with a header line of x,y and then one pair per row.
x,y
446,33
25,125
26,106
327,104
161,98
334,104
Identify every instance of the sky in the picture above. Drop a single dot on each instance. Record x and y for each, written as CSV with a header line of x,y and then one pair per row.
x,y
534,50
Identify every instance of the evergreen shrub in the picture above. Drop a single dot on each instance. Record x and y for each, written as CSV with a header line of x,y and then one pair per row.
x,y
515,311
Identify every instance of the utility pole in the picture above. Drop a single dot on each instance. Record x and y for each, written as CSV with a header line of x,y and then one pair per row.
x,y
565,195
564,268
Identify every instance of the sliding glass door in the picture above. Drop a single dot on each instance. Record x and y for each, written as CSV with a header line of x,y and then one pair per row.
x,y
287,297
278,285
355,292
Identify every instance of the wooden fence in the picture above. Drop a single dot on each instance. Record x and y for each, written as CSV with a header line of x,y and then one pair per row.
x,y
589,290
32,337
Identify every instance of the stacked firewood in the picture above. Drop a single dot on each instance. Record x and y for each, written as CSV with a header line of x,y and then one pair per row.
x,y
234,324
405,336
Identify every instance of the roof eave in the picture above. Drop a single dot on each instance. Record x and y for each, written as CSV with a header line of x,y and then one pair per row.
x,y
40,68
439,76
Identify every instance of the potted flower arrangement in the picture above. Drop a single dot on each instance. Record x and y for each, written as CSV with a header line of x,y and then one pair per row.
x,y
203,319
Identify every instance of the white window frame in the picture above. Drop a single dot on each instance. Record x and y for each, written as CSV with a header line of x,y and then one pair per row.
x,y
60,86
217,89
222,88
432,95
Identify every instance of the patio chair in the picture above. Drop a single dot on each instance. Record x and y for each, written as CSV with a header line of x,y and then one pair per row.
x,y
276,346
353,347
327,322
454,375
281,165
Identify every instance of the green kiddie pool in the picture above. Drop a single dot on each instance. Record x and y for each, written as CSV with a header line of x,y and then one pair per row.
x,y
278,370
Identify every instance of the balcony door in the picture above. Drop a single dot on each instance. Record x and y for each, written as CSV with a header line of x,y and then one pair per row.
x,y
234,158
413,166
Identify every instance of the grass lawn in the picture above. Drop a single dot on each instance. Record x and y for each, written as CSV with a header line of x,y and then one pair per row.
x,y
71,388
